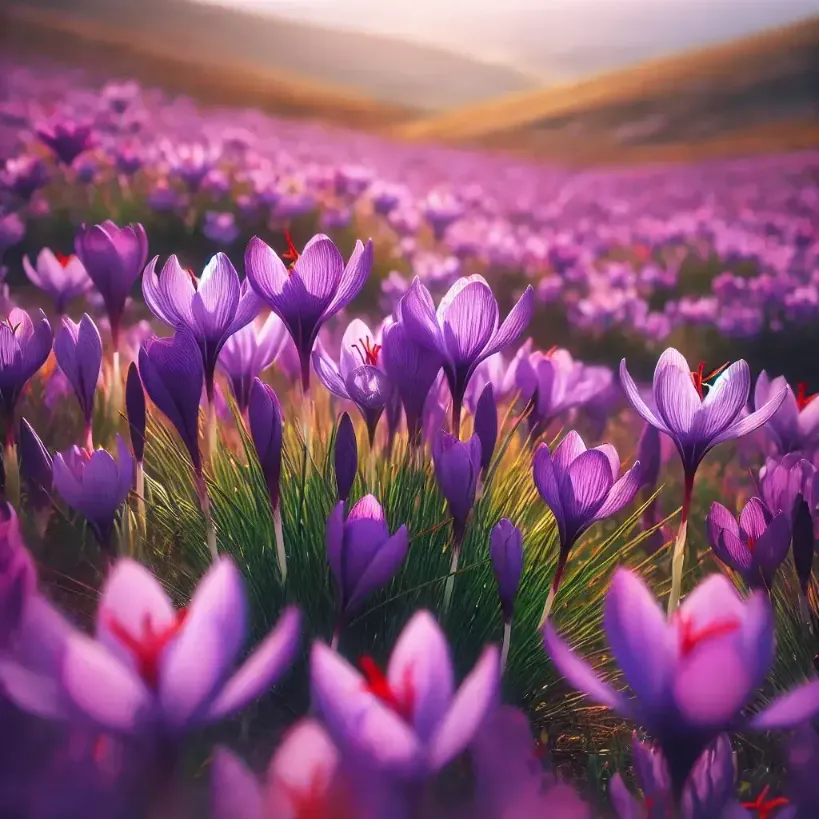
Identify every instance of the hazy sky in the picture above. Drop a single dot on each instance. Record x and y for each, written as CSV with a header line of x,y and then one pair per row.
x,y
553,38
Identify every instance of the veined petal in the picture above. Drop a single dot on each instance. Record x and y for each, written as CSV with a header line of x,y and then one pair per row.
x,y
677,399
352,278
417,315
750,422
153,295
217,298
514,325
621,494
723,401
177,290
636,400
547,485
789,710
570,448
235,791
468,316
328,374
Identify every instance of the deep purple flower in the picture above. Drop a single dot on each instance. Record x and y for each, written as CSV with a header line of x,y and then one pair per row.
x,y
506,553
670,666
172,373
755,546
148,658
35,467
782,481
362,554
412,369
249,352
580,486
136,411
313,289
211,309
78,349
266,425
650,457
345,456
441,210
24,348
486,425
63,278
409,721
457,467
795,425
359,376
464,331
697,421
66,139
114,258
804,544
95,485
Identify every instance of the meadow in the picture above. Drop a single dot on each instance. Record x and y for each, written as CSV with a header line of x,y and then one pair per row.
x,y
277,386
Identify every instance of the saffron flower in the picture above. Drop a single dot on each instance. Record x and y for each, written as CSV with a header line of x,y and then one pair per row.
x,y
345,457
63,278
464,331
486,426
95,485
147,657
66,139
697,422
580,486
670,666
754,546
248,353
78,350
506,554
362,554
266,425
795,425
114,258
211,308
359,376
457,469
410,721
315,287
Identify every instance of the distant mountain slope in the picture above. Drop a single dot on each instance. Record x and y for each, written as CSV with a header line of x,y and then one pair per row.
x,y
385,69
766,85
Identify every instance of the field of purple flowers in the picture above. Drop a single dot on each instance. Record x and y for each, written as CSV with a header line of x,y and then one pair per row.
x,y
399,526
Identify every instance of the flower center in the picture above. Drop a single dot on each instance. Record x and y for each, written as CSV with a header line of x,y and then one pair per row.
x,y
147,647
551,351
367,352
292,255
764,808
64,260
194,280
701,380
691,637
802,397
402,702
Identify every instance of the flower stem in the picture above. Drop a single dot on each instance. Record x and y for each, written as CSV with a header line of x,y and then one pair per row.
x,y
11,467
142,518
89,437
457,542
115,393
211,428
280,553
507,640
678,558
204,503
305,430
457,404
550,599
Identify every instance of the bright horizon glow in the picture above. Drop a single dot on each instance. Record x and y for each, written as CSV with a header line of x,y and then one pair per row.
x,y
554,38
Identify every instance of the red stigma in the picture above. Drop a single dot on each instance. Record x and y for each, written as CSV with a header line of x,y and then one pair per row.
x,y
551,351
63,259
377,684
751,544
314,801
147,649
802,397
195,281
368,352
292,254
701,380
691,637
764,809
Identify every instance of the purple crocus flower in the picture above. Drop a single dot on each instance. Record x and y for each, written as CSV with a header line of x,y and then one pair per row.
x,y
580,486
486,425
24,176
506,554
409,721
464,331
314,288
670,666
63,278
795,425
147,657
782,481
113,257
362,554
696,422
172,373
345,456
211,309
248,353
359,376
95,485
412,369
78,349
136,411
24,348
755,546
66,139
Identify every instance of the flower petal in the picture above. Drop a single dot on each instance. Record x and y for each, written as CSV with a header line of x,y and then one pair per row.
x,y
234,790
790,710
468,316
636,400
217,297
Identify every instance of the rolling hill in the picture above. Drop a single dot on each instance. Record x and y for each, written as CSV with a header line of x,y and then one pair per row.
x,y
262,49
758,93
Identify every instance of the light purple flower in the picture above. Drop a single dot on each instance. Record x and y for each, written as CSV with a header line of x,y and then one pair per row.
x,y
63,278
795,425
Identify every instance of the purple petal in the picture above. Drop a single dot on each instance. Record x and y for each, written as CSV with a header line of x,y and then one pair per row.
x,y
751,422
417,314
636,400
352,279
328,374
567,451
217,298
621,494
514,325
546,483
723,401
235,791
677,399
382,568
586,486
754,518
468,316
790,710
